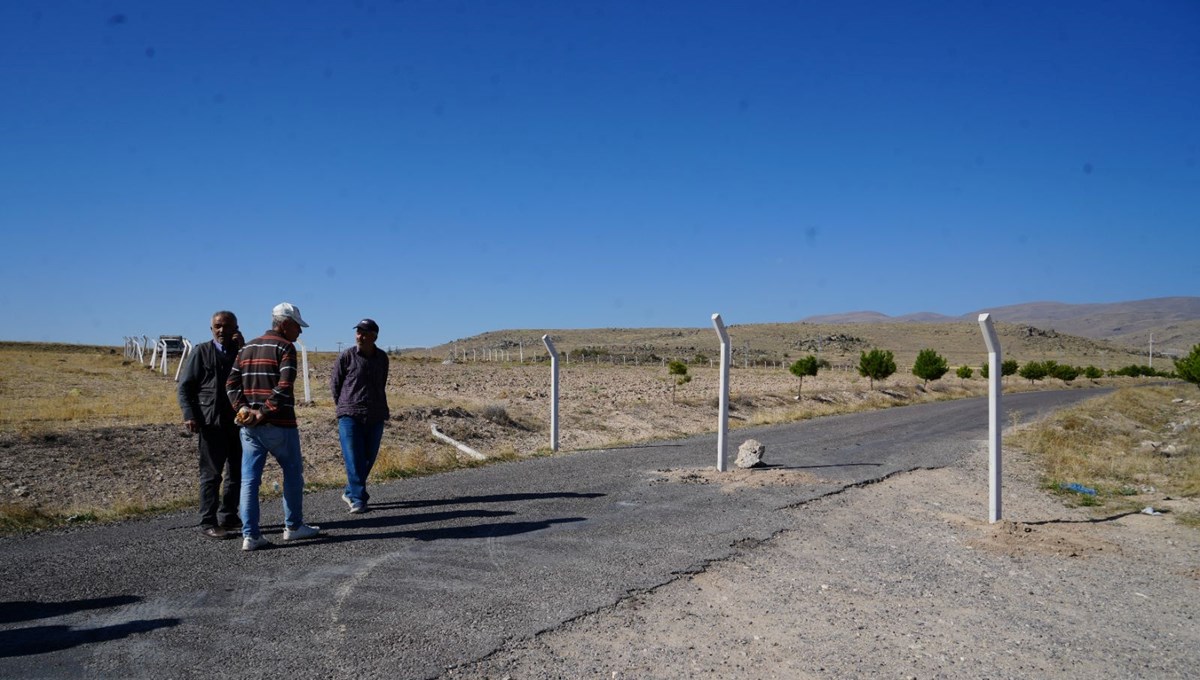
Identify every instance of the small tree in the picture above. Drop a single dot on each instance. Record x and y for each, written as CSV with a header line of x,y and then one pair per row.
x,y
983,371
680,371
1188,367
929,365
964,372
1008,367
1033,371
1092,373
809,366
876,365
1065,372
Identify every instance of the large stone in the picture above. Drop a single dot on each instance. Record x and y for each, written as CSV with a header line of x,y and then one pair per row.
x,y
750,454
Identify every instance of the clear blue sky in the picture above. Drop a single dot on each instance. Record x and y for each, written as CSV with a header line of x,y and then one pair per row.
x,y
450,168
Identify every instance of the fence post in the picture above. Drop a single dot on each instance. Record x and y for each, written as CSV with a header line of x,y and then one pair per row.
x,y
553,391
994,416
723,420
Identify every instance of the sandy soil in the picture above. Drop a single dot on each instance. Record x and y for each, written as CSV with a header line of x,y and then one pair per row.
x,y
905,578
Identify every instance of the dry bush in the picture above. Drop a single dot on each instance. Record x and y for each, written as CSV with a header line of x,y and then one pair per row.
x,y
1121,444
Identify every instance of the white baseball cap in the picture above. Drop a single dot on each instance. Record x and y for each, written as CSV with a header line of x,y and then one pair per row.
x,y
288,311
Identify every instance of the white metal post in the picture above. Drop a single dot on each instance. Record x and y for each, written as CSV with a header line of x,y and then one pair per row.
x,y
553,392
187,351
723,420
994,416
304,370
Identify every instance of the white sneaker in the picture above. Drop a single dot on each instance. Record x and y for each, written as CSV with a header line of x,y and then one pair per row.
x,y
358,508
349,502
250,543
302,531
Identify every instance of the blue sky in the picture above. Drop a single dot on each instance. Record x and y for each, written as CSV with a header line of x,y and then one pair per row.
x,y
450,168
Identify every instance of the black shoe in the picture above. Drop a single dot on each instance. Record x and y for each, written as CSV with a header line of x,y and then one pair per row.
x,y
215,533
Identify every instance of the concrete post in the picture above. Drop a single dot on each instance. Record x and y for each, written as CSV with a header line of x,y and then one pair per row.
x,y
553,391
995,415
723,420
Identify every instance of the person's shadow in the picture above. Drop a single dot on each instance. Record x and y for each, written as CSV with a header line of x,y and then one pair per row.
x,y
52,638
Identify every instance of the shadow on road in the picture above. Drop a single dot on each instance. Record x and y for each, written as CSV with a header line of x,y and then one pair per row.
x,y
28,610
381,520
494,498
44,639
493,530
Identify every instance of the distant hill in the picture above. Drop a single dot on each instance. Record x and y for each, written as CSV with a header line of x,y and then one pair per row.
x,y
1174,321
1107,335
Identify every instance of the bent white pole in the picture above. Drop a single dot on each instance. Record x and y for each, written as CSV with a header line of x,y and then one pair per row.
x,y
994,416
187,350
304,370
438,434
553,391
723,420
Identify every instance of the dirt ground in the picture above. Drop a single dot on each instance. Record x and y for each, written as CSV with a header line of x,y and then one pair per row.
x,y
905,579
494,408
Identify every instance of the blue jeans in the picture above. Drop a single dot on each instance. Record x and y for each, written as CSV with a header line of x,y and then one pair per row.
x,y
283,443
360,448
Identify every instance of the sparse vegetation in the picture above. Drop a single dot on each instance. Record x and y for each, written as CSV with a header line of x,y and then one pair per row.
x,y
1033,371
808,366
1008,367
1066,373
877,364
964,372
1188,367
679,371
1126,446
930,366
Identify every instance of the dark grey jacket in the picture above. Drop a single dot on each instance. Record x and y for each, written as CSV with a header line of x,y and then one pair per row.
x,y
202,394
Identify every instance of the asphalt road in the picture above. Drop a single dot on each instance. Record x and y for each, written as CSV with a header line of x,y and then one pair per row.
x,y
445,569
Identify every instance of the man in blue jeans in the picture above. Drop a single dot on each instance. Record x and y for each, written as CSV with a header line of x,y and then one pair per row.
x,y
260,390
359,383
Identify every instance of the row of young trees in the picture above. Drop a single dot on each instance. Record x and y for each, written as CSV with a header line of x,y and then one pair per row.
x,y
878,364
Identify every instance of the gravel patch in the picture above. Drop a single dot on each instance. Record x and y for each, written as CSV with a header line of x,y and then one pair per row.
x,y
906,578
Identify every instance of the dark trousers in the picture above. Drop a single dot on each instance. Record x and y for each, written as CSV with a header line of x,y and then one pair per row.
x,y
220,454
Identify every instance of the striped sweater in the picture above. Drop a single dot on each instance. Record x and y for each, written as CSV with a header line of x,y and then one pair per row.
x,y
262,377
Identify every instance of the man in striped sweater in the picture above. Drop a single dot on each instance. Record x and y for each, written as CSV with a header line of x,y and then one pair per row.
x,y
260,390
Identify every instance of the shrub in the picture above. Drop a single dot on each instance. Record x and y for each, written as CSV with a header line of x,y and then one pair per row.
x,y
1008,367
929,365
680,371
1188,367
1065,373
876,365
1033,371
1092,373
809,366
964,372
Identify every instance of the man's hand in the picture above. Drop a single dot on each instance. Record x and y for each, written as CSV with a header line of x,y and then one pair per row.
x,y
248,417
192,426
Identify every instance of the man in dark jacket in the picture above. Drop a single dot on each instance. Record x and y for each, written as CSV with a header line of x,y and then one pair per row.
x,y
208,414
359,380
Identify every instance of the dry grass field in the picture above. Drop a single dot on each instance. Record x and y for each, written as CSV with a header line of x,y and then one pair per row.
x,y
759,344
88,435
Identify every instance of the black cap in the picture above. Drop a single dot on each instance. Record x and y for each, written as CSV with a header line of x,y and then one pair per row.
x,y
367,325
